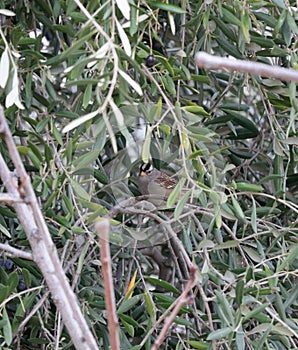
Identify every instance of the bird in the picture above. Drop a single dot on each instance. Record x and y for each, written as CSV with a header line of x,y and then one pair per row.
x,y
154,183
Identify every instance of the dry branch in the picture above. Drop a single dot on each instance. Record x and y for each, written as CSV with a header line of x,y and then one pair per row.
x,y
103,230
204,60
183,299
43,249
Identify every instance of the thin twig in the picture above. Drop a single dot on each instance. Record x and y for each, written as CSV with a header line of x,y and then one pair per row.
x,y
103,228
179,303
15,253
204,60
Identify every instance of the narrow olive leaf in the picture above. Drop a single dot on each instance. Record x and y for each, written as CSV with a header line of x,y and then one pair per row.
x,y
245,186
155,111
218,218
150,307
180,205
123,6
240,342
255,311
79,190
185,141
161,283
239,292
167,65
4,68
197,110
136,347
120,121
226,245
229,17
86,160
224,308
198,344
128,327
7,12
133,27
6,325
289,259
87,95
131,82
175,193
172,23
253,216
124,38
167,7
245,26
292,297
131,286
5,231
220,333
146,146
252,254
13,96
82,256
75,123
140,19
128,304
169,84
237,210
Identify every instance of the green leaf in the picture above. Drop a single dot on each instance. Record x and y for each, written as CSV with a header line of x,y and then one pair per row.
x,y
245,186
290,258
161,283
253,217
198,344
128,304
79,190
166,7
255,311
226,245
4,292
229,17
172,199
197,110
239,292
238,211
86,160
146,146
220,333
225,309
150,307
129,328
13,281
7,332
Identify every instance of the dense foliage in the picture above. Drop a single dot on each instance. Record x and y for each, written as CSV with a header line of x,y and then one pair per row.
x,y
121,81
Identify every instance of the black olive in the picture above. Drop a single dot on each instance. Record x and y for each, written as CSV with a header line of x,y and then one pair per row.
x,y
151,61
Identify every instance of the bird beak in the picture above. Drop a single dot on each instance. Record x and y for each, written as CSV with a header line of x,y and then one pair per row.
x,y
142,173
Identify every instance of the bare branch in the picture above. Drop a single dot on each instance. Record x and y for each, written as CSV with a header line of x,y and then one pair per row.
x,y
15,253
103,229
179,303
204,60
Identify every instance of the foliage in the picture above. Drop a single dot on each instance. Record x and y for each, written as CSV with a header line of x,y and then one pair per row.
x,y
87,99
